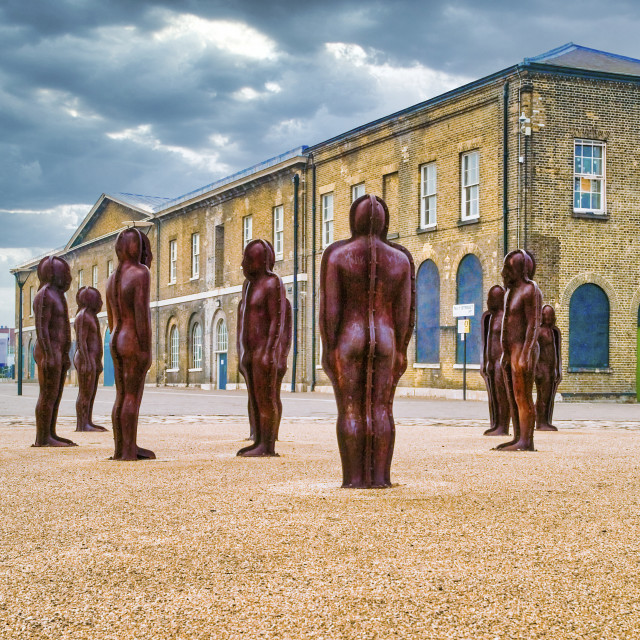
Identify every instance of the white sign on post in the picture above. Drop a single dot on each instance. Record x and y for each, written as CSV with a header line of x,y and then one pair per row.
x,y
464,310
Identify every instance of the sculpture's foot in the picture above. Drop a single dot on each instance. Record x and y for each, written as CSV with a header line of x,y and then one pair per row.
x,y
518,445
257,451
497,431
145,454
52,441
546,427
91,427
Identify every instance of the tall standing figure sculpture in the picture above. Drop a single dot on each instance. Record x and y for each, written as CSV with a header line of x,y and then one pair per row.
x,y
520,326
491,367
130,325
367,314
549,369
51,352
264,338
88,356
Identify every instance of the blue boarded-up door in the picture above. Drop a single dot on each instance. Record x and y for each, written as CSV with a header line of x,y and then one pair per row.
x,y
469,290
428,313
108,374
589,328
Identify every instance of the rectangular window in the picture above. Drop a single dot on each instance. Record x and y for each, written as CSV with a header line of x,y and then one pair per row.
x,y
589,158
428,197
195,256
219,256
327,219
357,190
173,261
470,175
109,267
94,276
278,232
80,278
247,230
31,297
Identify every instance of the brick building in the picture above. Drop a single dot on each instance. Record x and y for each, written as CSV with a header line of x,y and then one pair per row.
x,y
542,155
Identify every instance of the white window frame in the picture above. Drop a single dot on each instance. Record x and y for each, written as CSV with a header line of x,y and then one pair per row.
x,y
31,297
247,230
109,268
428,195
222,336
580,174
173,261
327,219
196,347
80,278
470,186
195,256
357,190
278,231
174,349
94,276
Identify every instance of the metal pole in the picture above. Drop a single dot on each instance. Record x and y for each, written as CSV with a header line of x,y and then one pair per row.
x,y
313,274
296,182
464,366
20,341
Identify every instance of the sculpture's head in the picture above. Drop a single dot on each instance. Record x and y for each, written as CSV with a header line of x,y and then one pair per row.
x,y
530,264
517,267
54,271
255,259
45,271
271,258
548,316
89,298
147,256
495,299
129,245
369,214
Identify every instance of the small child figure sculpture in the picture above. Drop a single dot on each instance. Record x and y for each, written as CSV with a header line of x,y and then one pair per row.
x,y
367,313
520,325
549,369
88,356
264,338
53,343
491,366
130,324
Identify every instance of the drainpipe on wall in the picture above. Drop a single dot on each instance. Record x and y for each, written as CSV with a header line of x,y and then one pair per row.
x,y
313,272
157,220
505,169
296,183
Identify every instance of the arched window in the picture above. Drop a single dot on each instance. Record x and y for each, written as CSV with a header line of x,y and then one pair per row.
x,y
222,336
196,346
589,328
469,290
174,348
428,313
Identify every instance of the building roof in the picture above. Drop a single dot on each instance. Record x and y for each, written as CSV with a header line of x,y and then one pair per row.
x,y
579,57
145,203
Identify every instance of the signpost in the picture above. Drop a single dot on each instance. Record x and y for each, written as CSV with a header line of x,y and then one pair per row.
x,y
462,312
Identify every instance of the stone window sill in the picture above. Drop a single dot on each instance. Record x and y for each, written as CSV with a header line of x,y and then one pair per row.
x,y
475,367
172,370
429,229
464,223
590,370
194,278
171,284
393,236
425,365
194,370
590,215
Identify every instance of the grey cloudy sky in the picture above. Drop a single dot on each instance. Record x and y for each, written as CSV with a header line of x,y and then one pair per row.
x,y
160,97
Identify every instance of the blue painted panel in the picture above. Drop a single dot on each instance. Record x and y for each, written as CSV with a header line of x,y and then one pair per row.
x,y
469,289
589,327
109,377
32,362
222,370
428,313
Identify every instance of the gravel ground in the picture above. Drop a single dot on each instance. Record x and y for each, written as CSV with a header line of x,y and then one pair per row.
x,y
470,543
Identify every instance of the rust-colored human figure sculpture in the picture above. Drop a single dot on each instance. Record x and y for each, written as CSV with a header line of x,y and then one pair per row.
x,y
367,313
51,352
520,326
264,338
130,324
549,369
491,368
88,356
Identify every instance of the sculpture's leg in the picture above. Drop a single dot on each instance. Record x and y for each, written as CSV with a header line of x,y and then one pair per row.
x,y
544,401
96,378
349,390
263,390
500,403
87,385
143,454
254,415
507,371
47,408
523,393
383,425
116,412
488,380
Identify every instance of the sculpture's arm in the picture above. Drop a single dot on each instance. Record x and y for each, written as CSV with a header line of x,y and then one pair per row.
x,y
108,296
330,311
533,316
141,313
403,319
485,325
43,320
273,307
81,340
558,343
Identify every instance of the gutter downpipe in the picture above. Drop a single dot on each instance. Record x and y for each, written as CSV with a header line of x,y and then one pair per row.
x,y
157,301
313,272
296,183
505,168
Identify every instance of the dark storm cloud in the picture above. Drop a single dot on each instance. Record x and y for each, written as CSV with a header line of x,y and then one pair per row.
x,y
161,97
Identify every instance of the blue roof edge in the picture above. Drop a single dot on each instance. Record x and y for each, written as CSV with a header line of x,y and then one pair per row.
x,y
552,53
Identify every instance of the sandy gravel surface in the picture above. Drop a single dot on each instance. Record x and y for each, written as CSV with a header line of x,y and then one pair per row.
x,y
470,543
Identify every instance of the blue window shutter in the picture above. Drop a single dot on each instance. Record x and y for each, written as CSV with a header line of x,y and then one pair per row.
x,y
589,327
428,314
469,290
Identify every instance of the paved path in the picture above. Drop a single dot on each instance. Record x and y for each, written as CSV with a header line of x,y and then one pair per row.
x,y
167,401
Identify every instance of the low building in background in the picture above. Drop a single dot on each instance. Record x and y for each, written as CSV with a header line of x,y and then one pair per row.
x,y
541,155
